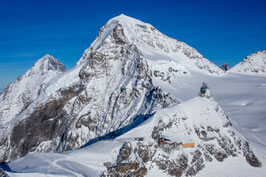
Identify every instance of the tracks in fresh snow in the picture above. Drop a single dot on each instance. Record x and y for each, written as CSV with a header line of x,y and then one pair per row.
x,y
248,132
75,168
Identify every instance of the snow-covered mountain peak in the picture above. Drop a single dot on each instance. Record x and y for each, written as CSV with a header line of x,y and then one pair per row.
x,y
254,63
47,63
156,47
124,19
22,92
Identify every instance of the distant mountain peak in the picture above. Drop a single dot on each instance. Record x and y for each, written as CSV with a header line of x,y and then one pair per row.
x,y
225,67
254,63
47,63
23,91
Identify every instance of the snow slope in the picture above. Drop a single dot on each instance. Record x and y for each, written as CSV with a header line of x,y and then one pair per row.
x,y
252,64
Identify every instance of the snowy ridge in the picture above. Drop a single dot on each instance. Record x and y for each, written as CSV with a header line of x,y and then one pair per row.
x,y
254,63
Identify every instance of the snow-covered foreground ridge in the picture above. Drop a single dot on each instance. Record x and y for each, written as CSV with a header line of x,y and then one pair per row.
x,y
129,73
200,121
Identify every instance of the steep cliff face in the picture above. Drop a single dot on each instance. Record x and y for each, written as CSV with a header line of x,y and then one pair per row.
x,y
109,89
254,63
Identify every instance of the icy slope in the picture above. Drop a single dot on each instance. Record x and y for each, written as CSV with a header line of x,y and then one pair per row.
x,y
254,63
22,92
200,120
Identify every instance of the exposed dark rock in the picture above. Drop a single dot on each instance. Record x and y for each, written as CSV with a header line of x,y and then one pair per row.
x,y
173,167
124,153
220,155
3,173
125,165
46,123
250,156
118,34
197,164
143,152
225,67
253,160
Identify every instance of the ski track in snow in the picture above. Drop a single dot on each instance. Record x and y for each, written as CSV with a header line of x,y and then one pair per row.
x,y
258,139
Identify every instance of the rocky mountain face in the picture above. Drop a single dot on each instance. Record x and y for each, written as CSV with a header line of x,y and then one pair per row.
x,y
254,63
2,173
200,123
225,67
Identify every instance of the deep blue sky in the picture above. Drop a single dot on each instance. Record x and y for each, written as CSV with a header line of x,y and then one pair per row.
x,y
224,31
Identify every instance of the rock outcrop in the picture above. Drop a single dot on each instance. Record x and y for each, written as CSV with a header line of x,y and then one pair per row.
x,y
225,67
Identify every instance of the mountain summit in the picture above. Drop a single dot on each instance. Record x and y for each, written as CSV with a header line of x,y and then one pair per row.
x,y
156,47
254,63
22,92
